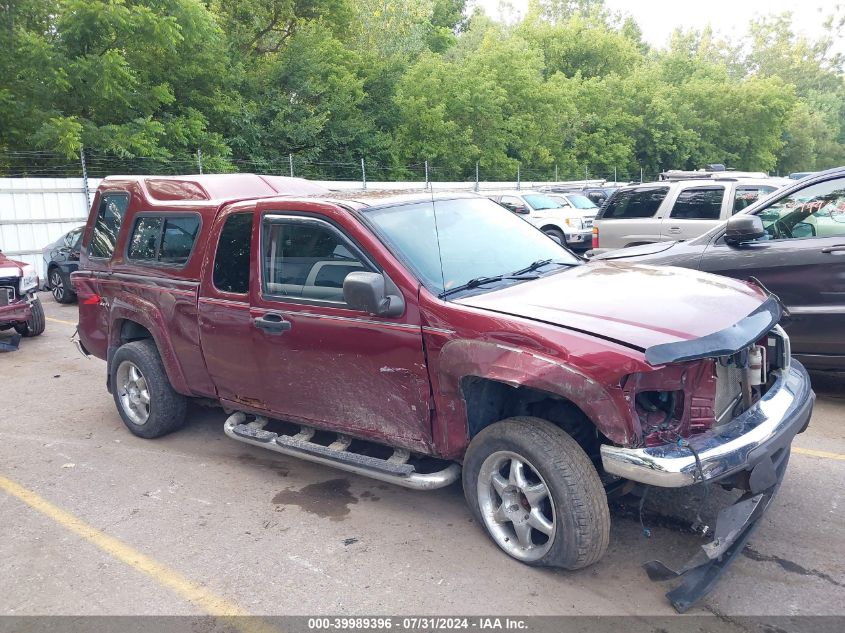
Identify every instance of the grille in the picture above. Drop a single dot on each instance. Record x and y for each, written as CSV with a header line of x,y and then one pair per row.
x,y
588,222
8,289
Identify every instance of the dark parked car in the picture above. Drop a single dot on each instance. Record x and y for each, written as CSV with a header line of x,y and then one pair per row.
x,y
61,258
386,337
793,243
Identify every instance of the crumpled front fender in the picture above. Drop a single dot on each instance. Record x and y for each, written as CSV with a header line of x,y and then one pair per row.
x,y
517,367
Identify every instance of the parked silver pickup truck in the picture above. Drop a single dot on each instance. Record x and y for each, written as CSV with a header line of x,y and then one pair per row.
x,y
673,210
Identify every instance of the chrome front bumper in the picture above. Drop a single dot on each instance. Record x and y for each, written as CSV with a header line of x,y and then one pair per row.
x,y
738,445
579,237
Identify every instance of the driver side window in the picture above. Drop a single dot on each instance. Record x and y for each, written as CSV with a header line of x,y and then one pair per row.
x,y
306,259
816,211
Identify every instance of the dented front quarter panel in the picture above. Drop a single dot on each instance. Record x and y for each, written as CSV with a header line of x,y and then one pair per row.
x,y
462,341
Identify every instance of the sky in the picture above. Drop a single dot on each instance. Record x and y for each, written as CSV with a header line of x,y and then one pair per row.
x,y
658,18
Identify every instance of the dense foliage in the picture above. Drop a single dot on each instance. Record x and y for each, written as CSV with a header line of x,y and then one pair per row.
x,y
570,86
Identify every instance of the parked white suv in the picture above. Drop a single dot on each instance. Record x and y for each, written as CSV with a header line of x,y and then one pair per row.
x,y
563,220
673,210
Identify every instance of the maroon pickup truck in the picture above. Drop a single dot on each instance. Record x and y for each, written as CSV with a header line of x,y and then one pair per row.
x,y
423,339
19,305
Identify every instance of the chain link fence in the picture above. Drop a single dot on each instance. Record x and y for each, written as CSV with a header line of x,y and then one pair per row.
x,y
93,164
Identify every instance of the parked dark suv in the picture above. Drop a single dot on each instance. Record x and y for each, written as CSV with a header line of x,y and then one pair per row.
x,y
424,339
792,244
61,258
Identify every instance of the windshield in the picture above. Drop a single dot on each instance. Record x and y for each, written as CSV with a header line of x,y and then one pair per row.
x,y
580,202
538,201
447,243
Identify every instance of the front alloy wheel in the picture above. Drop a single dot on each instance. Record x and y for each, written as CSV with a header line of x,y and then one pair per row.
x,y
536,493
515,506
133,393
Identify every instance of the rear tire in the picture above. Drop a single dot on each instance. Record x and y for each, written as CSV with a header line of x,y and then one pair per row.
x,y
147,403
60,287
549,511
36,323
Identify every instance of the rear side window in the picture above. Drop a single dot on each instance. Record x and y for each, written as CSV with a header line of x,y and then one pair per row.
x,y
177,239
159,239
143,245
231,262
110,216
634,203
700,203
748,195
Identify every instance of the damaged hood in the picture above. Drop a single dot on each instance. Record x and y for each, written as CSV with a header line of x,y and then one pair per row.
x,y
10,267
638,305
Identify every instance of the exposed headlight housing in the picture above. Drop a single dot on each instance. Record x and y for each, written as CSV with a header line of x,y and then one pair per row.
x,y
28,280
575,223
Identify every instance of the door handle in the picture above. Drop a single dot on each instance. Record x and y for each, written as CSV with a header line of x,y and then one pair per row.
x,y
272,323
837,248
673,229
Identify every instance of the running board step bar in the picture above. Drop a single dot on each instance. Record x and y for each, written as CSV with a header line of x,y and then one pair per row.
x,y
394,470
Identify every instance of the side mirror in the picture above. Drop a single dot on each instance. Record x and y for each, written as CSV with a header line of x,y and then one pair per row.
x,y
368,292
743,228
520,209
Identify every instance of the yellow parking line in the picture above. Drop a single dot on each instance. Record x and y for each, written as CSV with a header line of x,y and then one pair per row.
x,y
60,321
189,590
814,453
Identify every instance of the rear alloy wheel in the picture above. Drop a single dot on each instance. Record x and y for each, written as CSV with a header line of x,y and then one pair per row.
x,y
60,287
134,392
147,403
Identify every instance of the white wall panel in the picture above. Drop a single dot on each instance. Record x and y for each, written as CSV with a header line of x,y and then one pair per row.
x,y
37,211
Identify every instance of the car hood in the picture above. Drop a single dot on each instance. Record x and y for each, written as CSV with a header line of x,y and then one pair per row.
x,y
10,267
633,304
636,251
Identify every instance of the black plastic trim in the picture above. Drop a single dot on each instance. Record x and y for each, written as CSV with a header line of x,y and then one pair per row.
x,y
722,343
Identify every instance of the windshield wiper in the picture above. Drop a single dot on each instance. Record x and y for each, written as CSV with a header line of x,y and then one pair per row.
x,y
533,266
472,283
539,264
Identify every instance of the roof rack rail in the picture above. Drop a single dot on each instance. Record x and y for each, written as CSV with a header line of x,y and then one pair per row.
x,y
710,174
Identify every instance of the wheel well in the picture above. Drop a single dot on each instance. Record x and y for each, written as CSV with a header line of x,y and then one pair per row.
x,y
552,227
488,401
133,331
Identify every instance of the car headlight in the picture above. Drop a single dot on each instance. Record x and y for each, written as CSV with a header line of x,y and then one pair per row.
x,y
29,279
575,223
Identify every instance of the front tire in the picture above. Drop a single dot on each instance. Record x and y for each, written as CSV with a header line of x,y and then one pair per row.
x,y
537,494
60,287
147,403
558,235
36,323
